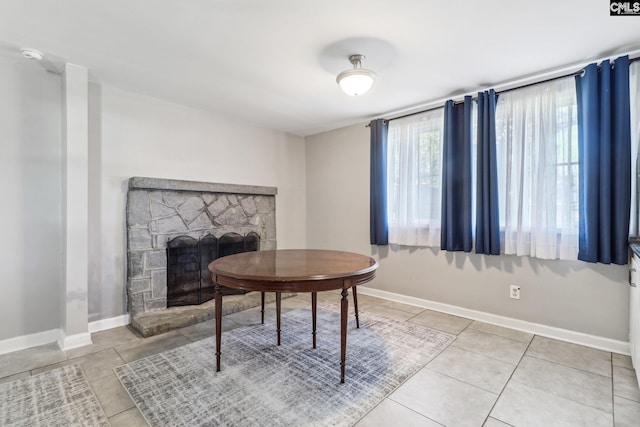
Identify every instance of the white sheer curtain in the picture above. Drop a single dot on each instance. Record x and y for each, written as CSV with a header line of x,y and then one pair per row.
x,y
634,91
414,179
537,147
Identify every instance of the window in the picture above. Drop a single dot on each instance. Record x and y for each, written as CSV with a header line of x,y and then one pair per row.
x,y
538,171
537,150
414,179
537,155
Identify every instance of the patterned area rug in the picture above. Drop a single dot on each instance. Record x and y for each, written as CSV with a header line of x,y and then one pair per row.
x,y
261,384
61,397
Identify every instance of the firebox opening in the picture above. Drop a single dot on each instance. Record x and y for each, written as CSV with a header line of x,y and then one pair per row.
x,y
189,280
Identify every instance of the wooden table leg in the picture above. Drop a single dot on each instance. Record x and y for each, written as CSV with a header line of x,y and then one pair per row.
x,y
314,305
355,305
278,306
262,307
344,313
218,293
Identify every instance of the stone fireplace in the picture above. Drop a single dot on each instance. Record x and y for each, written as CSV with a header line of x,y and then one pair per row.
x,y
159,210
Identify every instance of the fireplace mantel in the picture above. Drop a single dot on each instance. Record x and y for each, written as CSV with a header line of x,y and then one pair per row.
x,y
144,183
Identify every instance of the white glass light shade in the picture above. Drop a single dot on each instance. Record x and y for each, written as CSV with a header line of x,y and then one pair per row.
x,y
356,82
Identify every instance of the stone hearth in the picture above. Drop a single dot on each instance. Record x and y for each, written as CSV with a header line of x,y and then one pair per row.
x,y
159,210
157,322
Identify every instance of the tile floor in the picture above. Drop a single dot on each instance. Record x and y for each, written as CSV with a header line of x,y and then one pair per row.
x,y
490,376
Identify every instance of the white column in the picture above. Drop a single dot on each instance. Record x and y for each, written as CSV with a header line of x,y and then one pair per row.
x,y
74,311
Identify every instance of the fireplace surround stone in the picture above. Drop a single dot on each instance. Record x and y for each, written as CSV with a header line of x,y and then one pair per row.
x,y
161,209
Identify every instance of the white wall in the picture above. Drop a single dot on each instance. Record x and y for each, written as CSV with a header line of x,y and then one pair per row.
x,y
75,208
134,135
30,188
581,297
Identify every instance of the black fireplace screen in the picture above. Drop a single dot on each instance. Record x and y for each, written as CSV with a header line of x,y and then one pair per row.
x,y
188,277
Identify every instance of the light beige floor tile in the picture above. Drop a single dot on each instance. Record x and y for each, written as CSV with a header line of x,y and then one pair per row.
x,y
298,302
31,358
574,355
445,400
404,307
294,303
388,312
621,360
304,296
536,395
86,349
441,321
492,422
334,297
207,329
288,304
580,386
129,418
303,300
521,405
501,331
473,368
95,365
112,396
138,349
390,413
103,340
491,345
252,316
366,301
331,297
626,412
15,377
625,384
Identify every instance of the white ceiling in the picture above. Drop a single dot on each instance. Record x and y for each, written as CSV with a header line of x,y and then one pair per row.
x,y
272,63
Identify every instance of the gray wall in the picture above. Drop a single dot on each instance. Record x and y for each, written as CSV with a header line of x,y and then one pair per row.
x,y
135,135
129,135
30,184
587,298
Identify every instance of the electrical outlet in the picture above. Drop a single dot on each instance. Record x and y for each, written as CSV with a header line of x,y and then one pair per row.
x,y
514,292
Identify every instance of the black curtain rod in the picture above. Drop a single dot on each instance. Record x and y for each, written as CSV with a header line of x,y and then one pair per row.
x,y
564,76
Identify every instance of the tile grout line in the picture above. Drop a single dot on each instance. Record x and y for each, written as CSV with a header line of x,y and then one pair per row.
x,y
570,366
459,380
486,355
497,335
114,372
17,373
66,359
120,355
94,394
507,382
566,366
483,354
397,403
613,398
388,396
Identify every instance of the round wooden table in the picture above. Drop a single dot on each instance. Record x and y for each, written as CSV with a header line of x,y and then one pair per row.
x,y
294,270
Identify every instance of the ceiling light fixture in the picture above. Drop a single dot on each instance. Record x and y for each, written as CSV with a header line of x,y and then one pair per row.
x,y
32,54
358,80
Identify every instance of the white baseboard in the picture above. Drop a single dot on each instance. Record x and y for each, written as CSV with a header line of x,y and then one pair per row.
x,y
67,342
57,335
104,324
27,341
601,343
